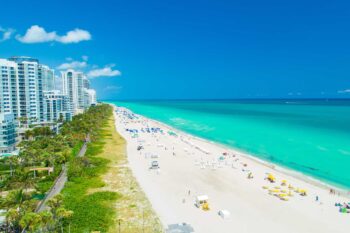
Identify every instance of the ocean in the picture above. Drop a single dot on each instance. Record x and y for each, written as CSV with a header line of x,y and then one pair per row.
x,y
309,136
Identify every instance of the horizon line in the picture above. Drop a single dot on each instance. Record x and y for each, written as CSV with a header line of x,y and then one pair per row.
x,y
221,99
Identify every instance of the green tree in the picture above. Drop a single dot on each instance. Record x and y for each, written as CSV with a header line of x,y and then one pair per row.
x,y
15,198
31,221
13,217
47,221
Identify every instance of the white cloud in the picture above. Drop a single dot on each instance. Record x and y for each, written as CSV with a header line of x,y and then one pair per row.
x,y
103,72
74,36
6,33
69,59
37,34
85,58
76,65
346,91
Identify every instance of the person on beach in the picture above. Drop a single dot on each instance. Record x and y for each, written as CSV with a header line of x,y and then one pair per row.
x,y
316,198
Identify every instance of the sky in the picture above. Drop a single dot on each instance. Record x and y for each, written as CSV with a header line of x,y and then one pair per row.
x,y
159,49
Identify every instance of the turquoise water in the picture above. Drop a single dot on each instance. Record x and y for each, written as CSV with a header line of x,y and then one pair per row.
x,y
312,137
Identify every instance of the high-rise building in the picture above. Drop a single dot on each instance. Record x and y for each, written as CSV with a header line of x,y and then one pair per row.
x,y
28,95
8,87
90,97
73,85
25,91
48,78
23,80
56,106
8,133
86,83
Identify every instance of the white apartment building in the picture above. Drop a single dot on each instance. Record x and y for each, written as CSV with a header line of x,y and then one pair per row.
x,y
8,134
48,77
21,87
8,87
56,106
26,91
23,80
73,83
90,97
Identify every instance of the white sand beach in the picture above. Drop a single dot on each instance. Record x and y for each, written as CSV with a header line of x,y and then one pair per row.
x,y
190,167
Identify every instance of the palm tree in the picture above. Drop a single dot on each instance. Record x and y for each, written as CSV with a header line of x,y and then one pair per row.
x,y
23,121
31,221
16,198
12,162
63,214
28,134
12,218
47,221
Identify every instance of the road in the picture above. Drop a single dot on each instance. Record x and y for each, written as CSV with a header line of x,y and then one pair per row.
x,y
60,181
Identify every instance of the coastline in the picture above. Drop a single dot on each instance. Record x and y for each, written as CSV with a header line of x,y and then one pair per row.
x,y
285,170
228,187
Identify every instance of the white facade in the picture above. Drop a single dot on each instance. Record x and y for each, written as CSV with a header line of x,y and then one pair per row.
x,y
56,106
73,87
8,86
21,88
8,133
48,77
90,97
27,91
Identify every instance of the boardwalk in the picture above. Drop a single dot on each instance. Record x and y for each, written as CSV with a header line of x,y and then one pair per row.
x,y
60,181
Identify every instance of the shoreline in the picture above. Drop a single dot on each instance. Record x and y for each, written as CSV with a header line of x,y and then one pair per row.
x,y
191,166
285,170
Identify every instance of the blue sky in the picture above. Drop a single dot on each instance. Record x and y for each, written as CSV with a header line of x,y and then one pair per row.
x,y
189,49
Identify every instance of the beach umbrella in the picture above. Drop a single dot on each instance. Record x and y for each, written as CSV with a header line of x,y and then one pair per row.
x,y
271,178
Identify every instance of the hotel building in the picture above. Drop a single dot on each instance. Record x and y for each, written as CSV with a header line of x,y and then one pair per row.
x,y
8,134
56,106
73,85
28,96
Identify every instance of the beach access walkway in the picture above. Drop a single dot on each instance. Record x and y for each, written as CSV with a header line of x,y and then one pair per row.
x,y
61,180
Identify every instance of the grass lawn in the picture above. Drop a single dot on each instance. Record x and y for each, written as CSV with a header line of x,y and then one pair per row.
x,y
103,192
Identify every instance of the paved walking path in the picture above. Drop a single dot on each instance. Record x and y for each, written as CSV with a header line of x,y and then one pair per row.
x,y
60,181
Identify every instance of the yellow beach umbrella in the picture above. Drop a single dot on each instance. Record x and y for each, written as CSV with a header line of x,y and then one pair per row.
x,y
271,178
303,192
